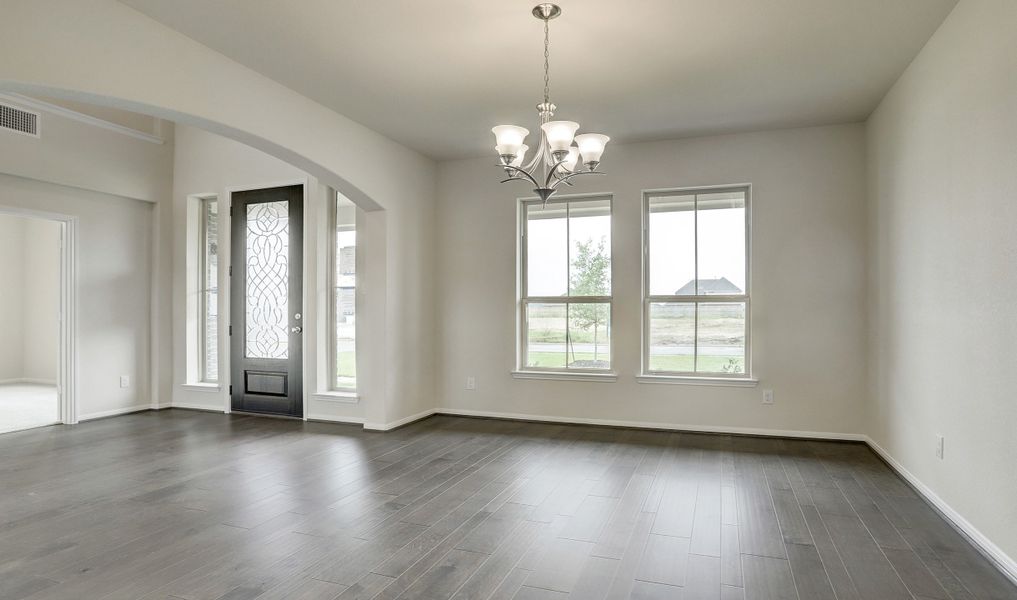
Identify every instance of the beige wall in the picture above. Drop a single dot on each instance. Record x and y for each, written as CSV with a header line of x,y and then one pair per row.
x,y
12,276
808,328
210,164
114,281
41,293
943,191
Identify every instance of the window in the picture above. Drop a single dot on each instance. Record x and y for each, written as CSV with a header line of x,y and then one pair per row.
x,y
344,292
565,299
696,301
208,290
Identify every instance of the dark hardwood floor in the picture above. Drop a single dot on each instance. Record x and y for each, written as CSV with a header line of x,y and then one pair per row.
x,y
181,504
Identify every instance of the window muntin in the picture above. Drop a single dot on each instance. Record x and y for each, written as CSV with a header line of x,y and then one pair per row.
x,y
696,301
343,296
565,300
208,291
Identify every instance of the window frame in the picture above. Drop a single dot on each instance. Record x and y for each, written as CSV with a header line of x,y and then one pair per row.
x,y
648,299
333,296
204,290
523,300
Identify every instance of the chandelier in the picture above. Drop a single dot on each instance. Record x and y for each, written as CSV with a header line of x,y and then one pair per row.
x,y
556,161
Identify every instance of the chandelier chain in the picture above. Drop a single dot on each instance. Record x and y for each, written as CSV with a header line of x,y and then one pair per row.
x,y
547,63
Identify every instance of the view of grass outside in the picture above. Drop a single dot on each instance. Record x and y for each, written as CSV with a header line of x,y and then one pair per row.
x,y
716,346
569,256
344,295
697,282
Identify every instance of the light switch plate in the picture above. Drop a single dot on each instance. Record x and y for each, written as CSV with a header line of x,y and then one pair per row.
x,y
125,381
767,396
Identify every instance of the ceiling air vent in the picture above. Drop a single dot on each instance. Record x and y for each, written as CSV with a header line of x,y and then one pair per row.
x,y
19,120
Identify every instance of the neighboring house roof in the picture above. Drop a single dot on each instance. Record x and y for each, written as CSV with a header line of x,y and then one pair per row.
x,y
709,286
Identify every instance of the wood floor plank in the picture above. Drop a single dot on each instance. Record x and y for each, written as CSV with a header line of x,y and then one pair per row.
x,y
180,505
768,578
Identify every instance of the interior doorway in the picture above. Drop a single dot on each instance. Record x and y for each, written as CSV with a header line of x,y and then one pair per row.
x,y
31,321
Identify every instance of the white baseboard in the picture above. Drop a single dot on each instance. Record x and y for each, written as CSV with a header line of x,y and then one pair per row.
x,y
400,422
319,418
821,435
28,427
1003,562
27,380
114,412
190,406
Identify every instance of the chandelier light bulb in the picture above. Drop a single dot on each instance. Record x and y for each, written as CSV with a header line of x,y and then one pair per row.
x,y
559,134
509,139
591,146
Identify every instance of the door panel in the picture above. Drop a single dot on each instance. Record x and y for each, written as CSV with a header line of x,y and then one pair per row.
x,y
266,300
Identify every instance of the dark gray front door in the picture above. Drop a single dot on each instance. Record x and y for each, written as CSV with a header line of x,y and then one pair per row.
x,y
266,301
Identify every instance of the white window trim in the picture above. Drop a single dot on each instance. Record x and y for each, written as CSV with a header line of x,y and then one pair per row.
x,y
745,379
333,392
213,388
202,340
522,371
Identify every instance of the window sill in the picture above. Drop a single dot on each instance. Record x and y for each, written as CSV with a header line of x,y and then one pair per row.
x,y
208,388
607,377
338,396
710,381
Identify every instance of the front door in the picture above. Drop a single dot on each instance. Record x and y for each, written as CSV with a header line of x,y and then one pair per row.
x,y
266,300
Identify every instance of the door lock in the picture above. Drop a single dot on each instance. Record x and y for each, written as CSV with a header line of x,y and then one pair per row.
x,y
297,329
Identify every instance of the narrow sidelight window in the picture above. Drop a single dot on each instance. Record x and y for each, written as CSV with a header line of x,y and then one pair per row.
x,y
696,299
208,311
565,283
344,292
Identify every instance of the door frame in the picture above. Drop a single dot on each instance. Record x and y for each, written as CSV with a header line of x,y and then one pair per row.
x,y
226,299
67,370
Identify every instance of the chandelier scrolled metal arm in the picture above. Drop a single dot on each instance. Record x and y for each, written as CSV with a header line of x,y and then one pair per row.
x,y
556,161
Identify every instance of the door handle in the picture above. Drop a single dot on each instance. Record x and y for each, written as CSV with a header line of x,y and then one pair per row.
x,y
297,329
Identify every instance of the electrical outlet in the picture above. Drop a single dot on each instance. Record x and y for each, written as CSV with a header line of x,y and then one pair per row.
x,y
471,383
125,381
939,447
767,396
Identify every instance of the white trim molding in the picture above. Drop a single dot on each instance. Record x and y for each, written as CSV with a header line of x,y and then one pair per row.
x,y
337,396
74,115
207,388
201,407
399,422
1005,563
116,412
818,435
686,380
608,377
320,418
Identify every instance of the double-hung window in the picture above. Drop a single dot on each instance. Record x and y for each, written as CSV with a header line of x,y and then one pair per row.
x,y
344,295
696,299
565,283
208,290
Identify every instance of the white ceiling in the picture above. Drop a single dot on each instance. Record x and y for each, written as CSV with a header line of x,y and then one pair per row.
x,y
436,76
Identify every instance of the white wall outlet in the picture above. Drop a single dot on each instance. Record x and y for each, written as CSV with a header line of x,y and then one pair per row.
x,y
939,447
125,381
767,396
471,383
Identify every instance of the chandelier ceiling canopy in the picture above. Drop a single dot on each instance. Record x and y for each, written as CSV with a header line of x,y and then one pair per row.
x,y
555,160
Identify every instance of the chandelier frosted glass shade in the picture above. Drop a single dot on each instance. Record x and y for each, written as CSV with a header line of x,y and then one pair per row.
x,y
591,146
559,134
554,158
509,139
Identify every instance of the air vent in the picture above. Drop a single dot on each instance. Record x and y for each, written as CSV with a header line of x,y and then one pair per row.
x,y
19,120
